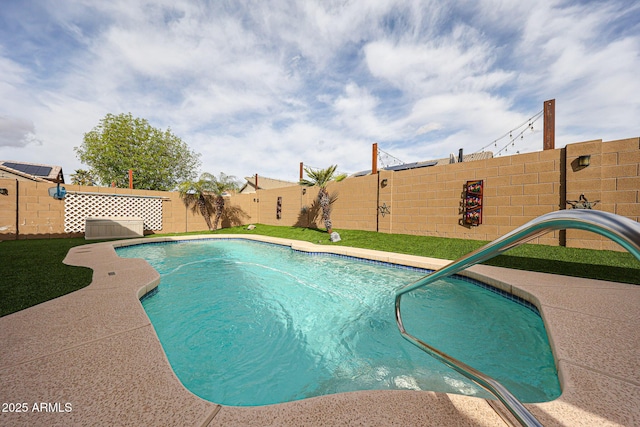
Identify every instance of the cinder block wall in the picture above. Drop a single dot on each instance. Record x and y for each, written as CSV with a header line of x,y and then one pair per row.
x,y
8,208
41,216
238,210
46,214
612,179
424,201
356,207
516,189
265,203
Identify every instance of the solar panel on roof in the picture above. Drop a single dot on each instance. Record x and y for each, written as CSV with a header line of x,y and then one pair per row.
x,y
404,166
415,165
29,169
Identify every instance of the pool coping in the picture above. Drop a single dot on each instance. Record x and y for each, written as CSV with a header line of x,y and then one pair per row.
x,y
96,350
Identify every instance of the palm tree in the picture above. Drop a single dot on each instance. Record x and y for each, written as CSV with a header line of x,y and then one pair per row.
x,y
82,177
199,196
222,185
321,178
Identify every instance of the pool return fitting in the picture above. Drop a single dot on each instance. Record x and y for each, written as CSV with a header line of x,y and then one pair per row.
x,y
621,230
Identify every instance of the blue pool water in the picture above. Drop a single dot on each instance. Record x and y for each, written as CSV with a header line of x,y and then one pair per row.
x,y
246,323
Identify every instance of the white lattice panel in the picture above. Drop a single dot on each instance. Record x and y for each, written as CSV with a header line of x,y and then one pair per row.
x,y
77,207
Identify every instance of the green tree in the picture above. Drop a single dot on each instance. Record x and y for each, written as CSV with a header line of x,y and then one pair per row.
x,y
206,195
321,178
82,177
159,159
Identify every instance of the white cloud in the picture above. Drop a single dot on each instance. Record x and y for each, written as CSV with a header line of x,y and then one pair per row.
x,y
258,87
355,110
16,132
429,127
587,59
460,61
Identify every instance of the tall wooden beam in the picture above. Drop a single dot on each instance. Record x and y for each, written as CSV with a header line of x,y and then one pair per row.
x,y
549,142
374,158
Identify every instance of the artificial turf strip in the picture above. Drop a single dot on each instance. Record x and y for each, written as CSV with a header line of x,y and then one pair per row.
x,y
33,272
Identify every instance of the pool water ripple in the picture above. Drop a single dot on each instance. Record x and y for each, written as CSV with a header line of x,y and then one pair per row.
x,y
244,323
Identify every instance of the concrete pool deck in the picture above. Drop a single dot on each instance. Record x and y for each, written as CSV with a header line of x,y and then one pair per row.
x,y
92,357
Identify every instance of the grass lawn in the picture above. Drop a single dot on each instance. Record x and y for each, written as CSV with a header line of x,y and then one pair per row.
x,y
33,272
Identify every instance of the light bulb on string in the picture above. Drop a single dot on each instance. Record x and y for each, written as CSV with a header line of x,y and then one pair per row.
x,y
528,123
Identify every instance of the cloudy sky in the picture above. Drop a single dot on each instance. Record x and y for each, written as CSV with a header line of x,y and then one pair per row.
x,y
259,86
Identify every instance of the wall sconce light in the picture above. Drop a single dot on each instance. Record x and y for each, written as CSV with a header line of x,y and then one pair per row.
x,y
584,161
4,191
304,191
384,183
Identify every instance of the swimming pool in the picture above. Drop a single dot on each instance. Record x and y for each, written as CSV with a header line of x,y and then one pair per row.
x,y
248,323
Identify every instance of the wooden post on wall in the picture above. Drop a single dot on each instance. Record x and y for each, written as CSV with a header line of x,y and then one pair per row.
x,y
374,158
301,170
256,182
549,142
130,178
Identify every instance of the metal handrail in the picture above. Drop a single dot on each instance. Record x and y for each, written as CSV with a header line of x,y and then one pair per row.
x,y
621,230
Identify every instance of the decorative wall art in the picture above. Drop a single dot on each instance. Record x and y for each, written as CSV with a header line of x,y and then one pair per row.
x,y
384,210
582,203
279,208
472,203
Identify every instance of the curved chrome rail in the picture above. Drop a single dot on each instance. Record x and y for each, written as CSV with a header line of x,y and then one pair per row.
x,y
621,230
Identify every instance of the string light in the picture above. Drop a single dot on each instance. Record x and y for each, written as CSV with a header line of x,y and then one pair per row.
x,y
394,160
387,160
529,126
520,134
